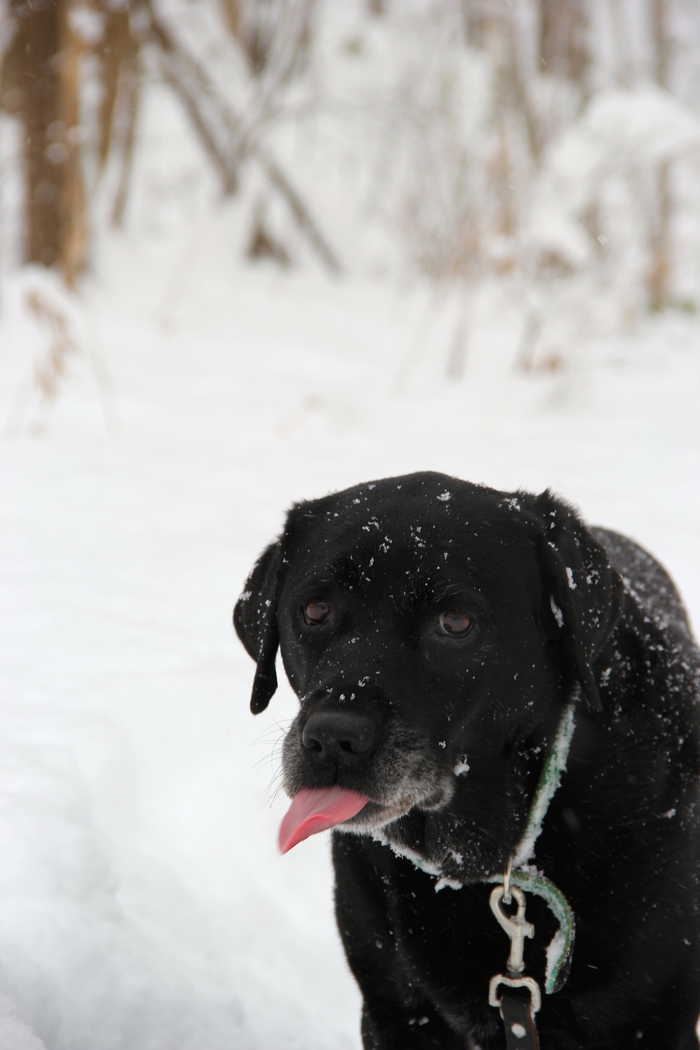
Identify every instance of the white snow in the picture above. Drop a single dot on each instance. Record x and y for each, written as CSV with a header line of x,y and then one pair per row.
x,y
558,614
142,899
143,903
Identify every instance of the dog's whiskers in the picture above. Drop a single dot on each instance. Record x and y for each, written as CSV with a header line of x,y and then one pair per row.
x,y
277,729
274,788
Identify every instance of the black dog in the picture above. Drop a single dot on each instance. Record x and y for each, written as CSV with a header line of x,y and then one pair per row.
x,y
437,633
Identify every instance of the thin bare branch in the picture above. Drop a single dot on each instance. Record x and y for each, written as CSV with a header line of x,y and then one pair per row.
x,y
194,88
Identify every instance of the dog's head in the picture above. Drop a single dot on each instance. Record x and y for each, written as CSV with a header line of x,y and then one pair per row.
x,y
433,630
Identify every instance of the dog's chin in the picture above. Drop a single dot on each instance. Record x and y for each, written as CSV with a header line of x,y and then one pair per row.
x,y
376,815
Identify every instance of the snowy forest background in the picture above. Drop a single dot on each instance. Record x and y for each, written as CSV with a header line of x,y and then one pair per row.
x,y
252,251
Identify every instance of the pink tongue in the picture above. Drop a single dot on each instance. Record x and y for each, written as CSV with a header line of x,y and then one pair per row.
x,y
315,810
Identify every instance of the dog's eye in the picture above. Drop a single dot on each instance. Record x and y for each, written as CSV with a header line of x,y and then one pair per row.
x,y
455,624
316,611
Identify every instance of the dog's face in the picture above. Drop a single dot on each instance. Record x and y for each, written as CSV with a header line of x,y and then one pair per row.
x,y
432,630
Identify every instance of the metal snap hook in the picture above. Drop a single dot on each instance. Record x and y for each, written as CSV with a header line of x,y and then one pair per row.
x,y
516,926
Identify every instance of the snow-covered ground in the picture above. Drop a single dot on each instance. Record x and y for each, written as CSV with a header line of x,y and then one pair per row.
x,y
143,904
142,900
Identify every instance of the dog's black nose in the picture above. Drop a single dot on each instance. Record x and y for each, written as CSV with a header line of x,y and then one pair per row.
x,y
335,734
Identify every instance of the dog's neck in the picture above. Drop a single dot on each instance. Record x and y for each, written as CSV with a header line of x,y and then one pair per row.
x,y
520,871
429,841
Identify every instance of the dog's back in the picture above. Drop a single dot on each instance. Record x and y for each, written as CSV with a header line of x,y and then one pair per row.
x,y
647,582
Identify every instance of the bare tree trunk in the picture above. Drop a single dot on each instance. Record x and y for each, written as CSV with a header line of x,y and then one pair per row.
x,y
660,270
40,82
115,51
30,92
475,19
511,107
72,208
231,12
658,280
512,87
503,179
129,104
620,35
563,40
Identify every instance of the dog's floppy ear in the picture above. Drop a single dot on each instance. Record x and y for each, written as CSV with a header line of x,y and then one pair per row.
x,y
581,588
255,620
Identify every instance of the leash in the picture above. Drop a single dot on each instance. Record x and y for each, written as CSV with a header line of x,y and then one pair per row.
x,y
518,997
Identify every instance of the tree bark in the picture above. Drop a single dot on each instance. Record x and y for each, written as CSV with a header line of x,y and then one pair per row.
x,y
563,44
660,246
115,52
40,86
31,93
72,209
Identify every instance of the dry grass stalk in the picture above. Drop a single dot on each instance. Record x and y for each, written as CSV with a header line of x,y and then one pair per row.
x,y
51,367
61,345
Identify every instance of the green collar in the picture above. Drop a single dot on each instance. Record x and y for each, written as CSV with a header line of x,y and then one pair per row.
x,y
523,873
